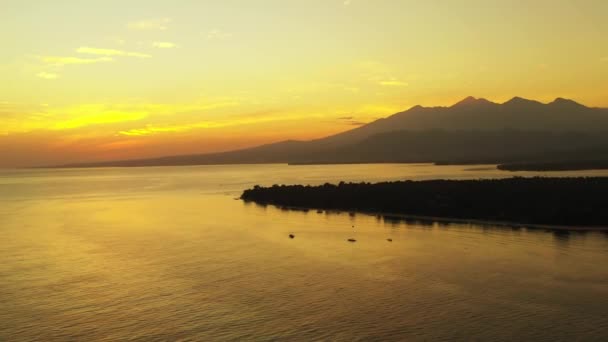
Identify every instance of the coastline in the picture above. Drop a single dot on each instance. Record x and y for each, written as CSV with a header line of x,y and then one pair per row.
x,y
560,203
405,217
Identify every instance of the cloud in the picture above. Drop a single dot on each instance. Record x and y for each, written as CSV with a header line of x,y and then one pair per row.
x,y
95,114
350,120
155,129
61,61
393,83
149,130
217,34
164,45
150,24
48,118
110,52
16,118
47,75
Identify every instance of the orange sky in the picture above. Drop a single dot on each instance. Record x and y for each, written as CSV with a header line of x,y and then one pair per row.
x,y
114,79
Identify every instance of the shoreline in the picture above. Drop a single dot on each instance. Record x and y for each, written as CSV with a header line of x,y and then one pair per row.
x,y
405,217
554,203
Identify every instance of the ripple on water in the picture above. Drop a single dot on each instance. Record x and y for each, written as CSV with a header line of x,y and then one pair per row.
x,y
150,255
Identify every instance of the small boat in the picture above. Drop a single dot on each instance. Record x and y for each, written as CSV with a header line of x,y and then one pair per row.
x,y
291,236
351,240
389,240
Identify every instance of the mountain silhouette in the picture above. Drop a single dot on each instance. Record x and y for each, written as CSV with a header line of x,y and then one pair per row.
x,y
471,101
473,129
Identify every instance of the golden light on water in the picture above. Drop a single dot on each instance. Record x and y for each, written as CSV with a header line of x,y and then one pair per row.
x,y
167,253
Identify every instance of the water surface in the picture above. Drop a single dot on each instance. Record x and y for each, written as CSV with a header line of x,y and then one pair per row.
x,y
168,254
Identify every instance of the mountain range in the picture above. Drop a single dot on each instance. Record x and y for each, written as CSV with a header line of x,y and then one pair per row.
x,y
473,130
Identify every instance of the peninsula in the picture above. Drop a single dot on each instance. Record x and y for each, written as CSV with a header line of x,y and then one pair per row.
x,y
576,203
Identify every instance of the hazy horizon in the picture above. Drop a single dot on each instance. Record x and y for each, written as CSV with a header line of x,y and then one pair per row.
x,y
107,81
94,159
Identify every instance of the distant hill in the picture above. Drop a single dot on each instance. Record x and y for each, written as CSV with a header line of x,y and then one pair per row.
x,y
472,130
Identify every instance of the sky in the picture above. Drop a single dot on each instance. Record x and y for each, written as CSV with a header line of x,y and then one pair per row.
x,y
120,79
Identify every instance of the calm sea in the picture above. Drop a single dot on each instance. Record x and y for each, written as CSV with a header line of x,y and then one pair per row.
x,y
168,254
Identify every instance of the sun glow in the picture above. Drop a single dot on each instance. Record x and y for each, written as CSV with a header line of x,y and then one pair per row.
x,y
202,77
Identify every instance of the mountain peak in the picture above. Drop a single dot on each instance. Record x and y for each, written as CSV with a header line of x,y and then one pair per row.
x,y
520,101
471,101
468,99
560,101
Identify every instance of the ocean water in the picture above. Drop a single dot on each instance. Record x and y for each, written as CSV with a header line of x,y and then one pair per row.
x,y
169,254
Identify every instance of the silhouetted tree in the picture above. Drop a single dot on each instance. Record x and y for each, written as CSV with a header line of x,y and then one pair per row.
x,y
558,201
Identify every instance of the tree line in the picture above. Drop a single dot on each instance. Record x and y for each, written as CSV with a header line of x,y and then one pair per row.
x,y
553,201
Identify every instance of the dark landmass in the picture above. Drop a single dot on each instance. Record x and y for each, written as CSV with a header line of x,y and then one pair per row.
x,y
556,166
560,202
469,147
573,159
471,131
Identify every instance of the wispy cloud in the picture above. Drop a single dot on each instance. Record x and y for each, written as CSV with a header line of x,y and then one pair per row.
x,y
95,114
393,83
347,2
110,52
61,61
350,120
149,117
150,129
47,75
164,45
47,118
105,55
216,34
150,24
155,129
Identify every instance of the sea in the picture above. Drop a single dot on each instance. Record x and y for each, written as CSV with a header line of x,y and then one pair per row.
x,y
173,254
